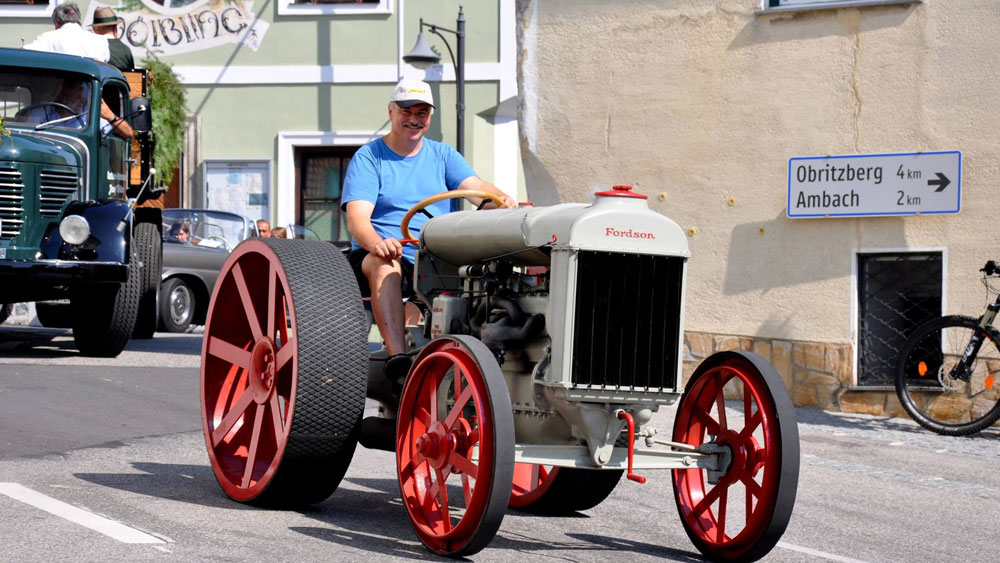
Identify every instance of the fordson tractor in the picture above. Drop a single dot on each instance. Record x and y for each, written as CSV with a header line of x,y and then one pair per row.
x,y
69,225
550,337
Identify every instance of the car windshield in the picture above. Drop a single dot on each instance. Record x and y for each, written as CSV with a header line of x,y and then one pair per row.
x,y
44,98
213,229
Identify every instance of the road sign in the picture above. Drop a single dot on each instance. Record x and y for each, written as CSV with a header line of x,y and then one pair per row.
x,y
874,184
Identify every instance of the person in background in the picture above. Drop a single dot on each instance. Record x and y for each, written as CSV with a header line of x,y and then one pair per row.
x,y
384,179
264,228
106,24
279,232
180,232
69,37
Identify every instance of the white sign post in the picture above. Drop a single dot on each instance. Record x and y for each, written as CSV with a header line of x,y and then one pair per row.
x,y
860,185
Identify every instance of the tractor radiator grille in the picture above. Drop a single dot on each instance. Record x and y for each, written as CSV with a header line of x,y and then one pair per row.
x,y
627,321
57,186
11,203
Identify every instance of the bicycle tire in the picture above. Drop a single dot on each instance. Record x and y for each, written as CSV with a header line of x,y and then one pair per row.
x,y
931,395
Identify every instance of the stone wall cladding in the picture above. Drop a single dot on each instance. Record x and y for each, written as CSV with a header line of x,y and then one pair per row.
x,y
817,374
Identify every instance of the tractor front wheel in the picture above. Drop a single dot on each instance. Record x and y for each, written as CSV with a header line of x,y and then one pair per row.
x,y
740,511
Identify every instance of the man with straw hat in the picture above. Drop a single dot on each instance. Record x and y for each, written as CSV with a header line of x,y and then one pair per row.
x,y
106,24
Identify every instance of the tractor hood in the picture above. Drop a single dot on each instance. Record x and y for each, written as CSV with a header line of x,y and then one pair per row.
x,y
618,220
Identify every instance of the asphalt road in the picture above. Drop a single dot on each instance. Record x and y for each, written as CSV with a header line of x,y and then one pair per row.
x,y
95,454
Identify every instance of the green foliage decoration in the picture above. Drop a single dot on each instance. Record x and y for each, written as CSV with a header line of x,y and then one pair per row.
x,y
169,102
4,132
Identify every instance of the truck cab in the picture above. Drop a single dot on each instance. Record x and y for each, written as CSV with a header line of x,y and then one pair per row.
x,y
69,185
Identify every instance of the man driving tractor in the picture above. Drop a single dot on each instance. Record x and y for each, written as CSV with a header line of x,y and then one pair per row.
x,y
385,178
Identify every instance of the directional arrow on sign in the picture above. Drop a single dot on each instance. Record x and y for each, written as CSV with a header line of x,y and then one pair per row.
x,y
942,182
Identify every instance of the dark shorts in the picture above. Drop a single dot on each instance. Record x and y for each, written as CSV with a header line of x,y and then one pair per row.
x,y
357,256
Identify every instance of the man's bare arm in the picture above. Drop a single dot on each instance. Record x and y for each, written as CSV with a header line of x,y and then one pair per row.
x,y
478,184
359,224
118,124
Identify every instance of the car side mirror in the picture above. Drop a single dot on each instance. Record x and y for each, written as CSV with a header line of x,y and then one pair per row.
x,y
142,115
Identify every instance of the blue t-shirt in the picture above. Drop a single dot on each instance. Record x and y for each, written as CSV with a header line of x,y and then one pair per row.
x,y
396,183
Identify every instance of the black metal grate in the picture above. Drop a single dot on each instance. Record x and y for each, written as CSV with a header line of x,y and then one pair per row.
x,y
896,292
627,320
56,188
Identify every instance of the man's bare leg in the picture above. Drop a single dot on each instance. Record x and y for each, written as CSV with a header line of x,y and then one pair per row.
x,y
384,279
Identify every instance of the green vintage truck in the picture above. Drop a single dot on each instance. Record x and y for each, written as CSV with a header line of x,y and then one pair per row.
x,y
70,227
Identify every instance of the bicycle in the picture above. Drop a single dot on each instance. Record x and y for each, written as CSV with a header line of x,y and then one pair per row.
x,y
946,375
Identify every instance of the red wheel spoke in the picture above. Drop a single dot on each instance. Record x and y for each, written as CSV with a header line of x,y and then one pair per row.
x,y
271,305
284,354
423,417
276,418
711,426
467,490
706,502
432,396
228,352
474,437
255,437
237,410
721,516
456,411
463,464
431,495
751,424
443,501
720,402
241,285
227,391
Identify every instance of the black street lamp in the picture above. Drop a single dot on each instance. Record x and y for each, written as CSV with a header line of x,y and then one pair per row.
x,y
423,55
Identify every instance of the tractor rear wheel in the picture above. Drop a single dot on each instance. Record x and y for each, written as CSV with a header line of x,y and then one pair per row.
x,y
455,423
741,511
283,372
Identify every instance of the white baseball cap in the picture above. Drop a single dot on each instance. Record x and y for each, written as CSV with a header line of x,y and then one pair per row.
x,y
410,92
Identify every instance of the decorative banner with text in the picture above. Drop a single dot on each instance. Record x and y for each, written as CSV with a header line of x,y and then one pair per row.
x,y
171,27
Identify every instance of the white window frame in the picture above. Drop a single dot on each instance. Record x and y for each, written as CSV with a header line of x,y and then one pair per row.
x,y
288,8
805,5
29,11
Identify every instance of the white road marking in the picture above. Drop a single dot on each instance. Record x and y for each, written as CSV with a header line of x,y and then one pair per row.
x,y
816,553
108,527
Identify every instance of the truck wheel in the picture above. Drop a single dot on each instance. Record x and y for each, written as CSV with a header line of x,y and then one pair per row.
x,y
177,305
455,401
542,489
740,512
284,369
148,244
103,315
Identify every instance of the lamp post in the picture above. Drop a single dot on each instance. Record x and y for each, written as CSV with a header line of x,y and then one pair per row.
x,y
423,56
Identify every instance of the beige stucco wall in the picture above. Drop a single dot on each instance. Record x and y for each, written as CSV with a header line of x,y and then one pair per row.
x,y
704,101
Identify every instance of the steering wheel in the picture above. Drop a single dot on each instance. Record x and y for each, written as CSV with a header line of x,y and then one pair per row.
x,y
219,239
421,207
25,110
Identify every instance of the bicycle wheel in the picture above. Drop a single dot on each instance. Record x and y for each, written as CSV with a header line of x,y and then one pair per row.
x,y
932,387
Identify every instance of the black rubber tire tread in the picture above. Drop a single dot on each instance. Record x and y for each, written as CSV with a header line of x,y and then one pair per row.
x,y
166,321
54,315
104,315
149,251
332,338
902,382
788,482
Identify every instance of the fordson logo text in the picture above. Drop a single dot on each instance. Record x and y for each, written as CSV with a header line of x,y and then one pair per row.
x,y
613,232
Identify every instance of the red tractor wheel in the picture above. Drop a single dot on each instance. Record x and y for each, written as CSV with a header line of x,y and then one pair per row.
x,y
543,489
741,511
455,423
283,372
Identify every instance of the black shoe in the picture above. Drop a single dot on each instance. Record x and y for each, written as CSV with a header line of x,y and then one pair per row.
x,y
397,367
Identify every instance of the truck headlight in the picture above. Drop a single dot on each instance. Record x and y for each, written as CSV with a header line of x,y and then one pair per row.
x,y
74,229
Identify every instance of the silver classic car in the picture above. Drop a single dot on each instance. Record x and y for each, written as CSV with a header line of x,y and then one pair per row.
x,y
196,242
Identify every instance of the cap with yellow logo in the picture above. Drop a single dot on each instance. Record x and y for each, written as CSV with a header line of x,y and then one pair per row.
x,y
410,92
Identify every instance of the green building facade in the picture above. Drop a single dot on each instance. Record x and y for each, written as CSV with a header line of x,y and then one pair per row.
x,y
281,92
